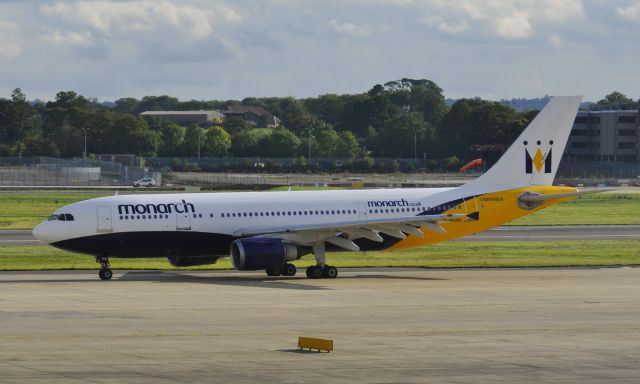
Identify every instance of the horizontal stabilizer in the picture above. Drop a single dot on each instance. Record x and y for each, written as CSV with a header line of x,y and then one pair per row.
x,y
543,198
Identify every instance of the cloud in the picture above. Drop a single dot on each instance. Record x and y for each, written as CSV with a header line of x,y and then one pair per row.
x,y
631,13
160,30
111,17
514,26
555,41
450,27
84,39
560,10
352,29
11,47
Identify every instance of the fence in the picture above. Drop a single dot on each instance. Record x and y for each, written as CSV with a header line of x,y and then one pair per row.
x,y
46,171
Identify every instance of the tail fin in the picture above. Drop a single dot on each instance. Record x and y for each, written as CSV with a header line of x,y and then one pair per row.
x,y
534,157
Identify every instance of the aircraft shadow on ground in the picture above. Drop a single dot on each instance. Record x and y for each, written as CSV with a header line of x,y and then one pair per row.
x,y
296,283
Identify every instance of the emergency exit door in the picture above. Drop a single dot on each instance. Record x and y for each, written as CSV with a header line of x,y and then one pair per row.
x,y
183,221
104,219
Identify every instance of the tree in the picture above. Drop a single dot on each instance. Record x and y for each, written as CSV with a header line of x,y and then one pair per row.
x,y
475,121
281,143
614,100
246,143
157,103
326,140
131,134
126,105
398,136
217,142
347,145
294,116
193,137
171,136
235,124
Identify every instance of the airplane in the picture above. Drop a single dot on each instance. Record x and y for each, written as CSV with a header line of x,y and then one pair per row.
x,y
269,230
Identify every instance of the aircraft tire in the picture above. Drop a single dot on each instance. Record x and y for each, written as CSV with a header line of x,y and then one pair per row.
x,y
105,274
274,270
330,272
314,272
289,269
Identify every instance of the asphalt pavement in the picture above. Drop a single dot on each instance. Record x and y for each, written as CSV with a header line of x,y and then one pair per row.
x,y
555,325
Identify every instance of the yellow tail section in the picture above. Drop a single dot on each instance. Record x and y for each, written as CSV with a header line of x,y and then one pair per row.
x,y
493,209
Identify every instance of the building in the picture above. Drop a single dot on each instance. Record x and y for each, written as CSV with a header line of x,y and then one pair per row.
x,y
256,116
605,136
203,118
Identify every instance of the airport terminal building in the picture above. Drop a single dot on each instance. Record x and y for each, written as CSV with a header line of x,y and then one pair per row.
x,y
604,142
605,136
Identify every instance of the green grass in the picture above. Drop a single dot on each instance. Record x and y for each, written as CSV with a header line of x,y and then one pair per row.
x,y
457,254
24,210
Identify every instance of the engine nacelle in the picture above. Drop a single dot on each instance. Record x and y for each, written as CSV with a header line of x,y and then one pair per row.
x,y
191,261
254,253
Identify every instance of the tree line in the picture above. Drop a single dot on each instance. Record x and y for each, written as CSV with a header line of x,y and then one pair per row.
x,y
405,118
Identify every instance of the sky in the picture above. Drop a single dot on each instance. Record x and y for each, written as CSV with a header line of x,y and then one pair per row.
x,y
204,50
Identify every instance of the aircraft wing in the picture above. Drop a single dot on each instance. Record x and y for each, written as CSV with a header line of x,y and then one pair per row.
x,y
341,233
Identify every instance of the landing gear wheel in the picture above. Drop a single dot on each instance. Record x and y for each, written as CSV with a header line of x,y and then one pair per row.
x,y
105,274
105,271
289,270
330,272
274,271
314,272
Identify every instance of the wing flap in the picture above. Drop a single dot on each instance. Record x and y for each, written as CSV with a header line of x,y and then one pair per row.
x,y
372,225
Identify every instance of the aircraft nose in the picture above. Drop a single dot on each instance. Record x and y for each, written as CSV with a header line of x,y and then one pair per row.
x,y
41,233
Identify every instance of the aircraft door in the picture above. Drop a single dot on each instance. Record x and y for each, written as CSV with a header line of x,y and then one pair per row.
x,y
183,221
104,219
362,212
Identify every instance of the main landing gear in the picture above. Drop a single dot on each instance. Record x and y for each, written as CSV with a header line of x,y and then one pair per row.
x,y
321,270
105,273
287,269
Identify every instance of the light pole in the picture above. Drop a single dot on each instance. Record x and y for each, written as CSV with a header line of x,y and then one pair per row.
x,y
84,153
415,146
309,142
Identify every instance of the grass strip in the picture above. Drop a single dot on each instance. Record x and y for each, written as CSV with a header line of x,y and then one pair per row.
x,y
456,254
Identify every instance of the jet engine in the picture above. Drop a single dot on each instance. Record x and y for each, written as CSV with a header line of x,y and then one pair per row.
x,y
191,261
254,253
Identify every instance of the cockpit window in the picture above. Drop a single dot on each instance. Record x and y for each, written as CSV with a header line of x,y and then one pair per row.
x,y
61,217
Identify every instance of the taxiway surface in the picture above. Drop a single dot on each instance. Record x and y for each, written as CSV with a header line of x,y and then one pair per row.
x,y
389,326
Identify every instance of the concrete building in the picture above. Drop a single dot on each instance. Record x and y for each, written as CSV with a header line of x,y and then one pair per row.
x,y
204,118
605,136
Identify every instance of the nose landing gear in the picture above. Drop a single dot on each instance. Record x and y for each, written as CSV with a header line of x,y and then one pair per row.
x,y
105,271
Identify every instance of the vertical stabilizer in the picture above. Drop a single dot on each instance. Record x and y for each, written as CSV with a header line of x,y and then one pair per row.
x,y
534,157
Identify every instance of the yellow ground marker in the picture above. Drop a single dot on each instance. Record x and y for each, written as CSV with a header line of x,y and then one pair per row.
x,y
311,343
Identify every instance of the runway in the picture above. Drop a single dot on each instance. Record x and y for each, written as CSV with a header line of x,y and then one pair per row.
x,y
513,233
388,326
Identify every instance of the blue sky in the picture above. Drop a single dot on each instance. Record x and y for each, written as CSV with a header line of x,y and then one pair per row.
x,y
233,49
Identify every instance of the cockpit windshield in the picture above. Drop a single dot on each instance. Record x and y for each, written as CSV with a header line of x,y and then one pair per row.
x,y
61,217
